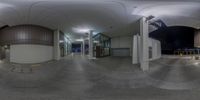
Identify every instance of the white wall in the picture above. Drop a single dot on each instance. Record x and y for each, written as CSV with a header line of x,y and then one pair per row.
x,y
133,44
156,49
56,48
30,53
122,42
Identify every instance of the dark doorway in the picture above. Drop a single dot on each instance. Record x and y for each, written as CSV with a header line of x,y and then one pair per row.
x,y
174,38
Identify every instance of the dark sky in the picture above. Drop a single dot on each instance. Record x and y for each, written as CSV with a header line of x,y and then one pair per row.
x,y
175,37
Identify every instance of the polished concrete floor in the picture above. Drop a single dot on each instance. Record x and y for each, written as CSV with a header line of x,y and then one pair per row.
x,y
110,78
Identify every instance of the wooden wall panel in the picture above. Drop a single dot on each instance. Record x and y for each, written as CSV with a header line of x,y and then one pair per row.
x,y
26,34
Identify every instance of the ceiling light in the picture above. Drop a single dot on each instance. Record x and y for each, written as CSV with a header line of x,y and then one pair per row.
x,y
81,30
79,40
96,41
61,41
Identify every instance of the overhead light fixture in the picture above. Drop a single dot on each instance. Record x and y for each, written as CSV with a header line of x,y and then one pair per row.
x,y
61,41
79,40
96,41
81,30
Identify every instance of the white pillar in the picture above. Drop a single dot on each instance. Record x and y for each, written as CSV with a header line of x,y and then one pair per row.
x,y
144,46
90,44
135,58
56,45
155,49
83,47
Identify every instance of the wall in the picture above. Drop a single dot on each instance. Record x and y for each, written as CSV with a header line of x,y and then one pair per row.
x,y
30,53
156,48
122,42
26,34
154,44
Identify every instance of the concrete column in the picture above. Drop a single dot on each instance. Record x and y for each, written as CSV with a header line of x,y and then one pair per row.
x,y
90,45
144,47
56,50
159,49
154,49
135,58
83,47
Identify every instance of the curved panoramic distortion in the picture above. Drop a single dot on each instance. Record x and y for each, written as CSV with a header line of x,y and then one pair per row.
x,y
26,34
27,43
99,49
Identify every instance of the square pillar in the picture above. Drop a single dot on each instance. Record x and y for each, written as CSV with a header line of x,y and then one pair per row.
x,y
83,47
56,47
144,46
135,51
90,45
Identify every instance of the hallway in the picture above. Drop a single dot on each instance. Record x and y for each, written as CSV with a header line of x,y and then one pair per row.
x,y
111,78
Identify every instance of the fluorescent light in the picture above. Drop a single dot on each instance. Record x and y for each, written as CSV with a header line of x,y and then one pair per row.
x,y
61,41
96,41
81,30
79,40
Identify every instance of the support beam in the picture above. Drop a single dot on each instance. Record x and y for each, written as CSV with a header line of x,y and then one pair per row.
x,y
81,48
144,48
90,44
135,51
56,50
83,53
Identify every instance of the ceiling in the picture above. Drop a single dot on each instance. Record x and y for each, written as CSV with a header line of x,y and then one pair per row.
x,y
112,17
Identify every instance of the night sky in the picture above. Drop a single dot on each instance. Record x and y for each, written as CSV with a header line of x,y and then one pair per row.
x,y
175,37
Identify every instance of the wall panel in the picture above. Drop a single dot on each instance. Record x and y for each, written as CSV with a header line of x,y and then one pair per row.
x,y
26,34
30,53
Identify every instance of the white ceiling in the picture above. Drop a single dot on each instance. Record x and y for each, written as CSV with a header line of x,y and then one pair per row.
x,y
107,16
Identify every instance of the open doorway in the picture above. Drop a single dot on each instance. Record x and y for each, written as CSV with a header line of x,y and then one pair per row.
x,y
5,52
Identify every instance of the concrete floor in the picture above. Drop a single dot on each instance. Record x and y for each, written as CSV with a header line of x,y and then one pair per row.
x,y
111,78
